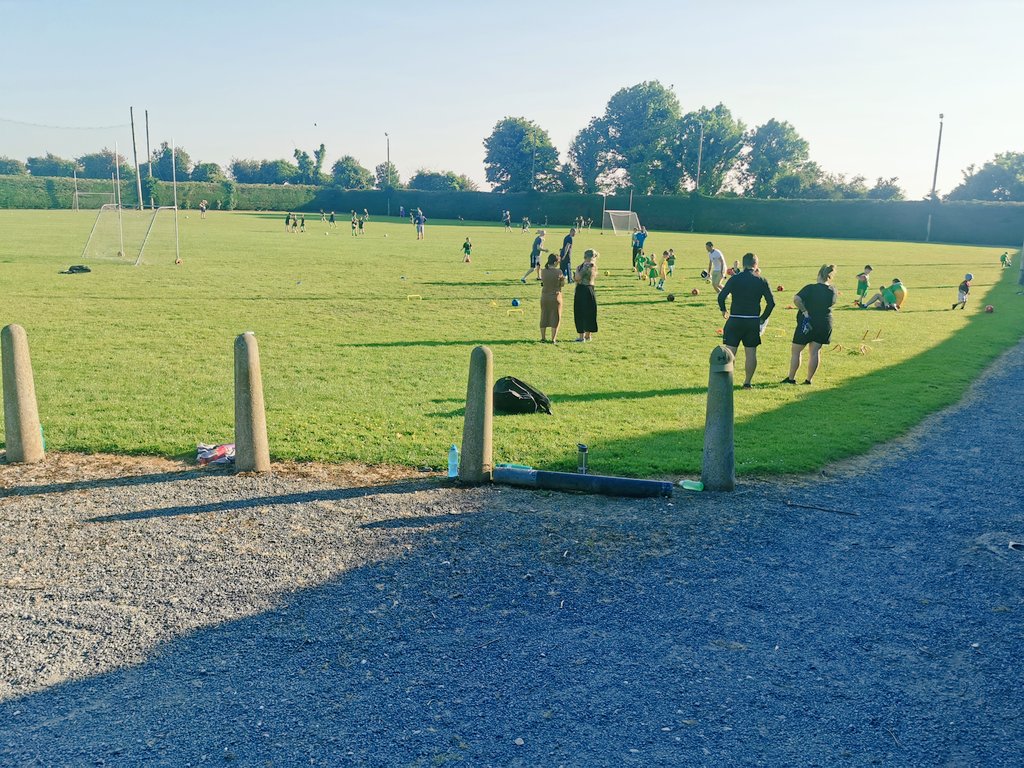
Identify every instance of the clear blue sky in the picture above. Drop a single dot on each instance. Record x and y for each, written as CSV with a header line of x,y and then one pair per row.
x,y
863,82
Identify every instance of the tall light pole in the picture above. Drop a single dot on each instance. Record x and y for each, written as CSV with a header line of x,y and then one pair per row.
x,y
388,140
533,165
935,178
700,152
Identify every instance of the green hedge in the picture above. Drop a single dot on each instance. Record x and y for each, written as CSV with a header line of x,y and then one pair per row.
x,y
974,223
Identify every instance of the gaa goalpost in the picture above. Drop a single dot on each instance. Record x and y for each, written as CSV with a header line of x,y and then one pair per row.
x,y
621,222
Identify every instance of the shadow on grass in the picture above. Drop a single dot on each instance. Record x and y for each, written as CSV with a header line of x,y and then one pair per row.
x,y
438,343
338,494
828,425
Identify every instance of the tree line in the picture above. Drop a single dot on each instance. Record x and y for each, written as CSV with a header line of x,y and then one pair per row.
x,y
643,141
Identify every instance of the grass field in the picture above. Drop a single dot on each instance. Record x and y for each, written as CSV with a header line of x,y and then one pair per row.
x,y
139,360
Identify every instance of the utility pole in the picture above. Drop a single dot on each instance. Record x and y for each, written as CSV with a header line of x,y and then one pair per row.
x,y
935,178
388,139
149,155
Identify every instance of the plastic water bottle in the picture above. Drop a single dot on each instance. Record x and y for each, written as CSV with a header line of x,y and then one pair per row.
x,y
581,458
453,461
691,485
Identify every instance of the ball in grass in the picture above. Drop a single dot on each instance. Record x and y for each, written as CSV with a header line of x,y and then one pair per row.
x,y
385,234
990,308
515,302
779,287
695,292
670,297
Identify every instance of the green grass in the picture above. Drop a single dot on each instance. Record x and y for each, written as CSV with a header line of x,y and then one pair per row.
x,y
139,360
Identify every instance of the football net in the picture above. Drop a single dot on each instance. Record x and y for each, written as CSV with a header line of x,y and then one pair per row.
x,y
621,222
129,236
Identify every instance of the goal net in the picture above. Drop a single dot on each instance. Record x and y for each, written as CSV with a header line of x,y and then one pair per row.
x,y
621,222
129,236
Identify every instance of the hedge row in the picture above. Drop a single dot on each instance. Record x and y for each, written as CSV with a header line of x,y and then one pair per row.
x,y
975,223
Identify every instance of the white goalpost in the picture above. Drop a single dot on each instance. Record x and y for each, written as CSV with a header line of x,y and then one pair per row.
x,y
123,234
621,222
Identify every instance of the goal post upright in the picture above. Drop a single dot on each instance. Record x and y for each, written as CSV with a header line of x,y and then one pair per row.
x,y
174,188
117,190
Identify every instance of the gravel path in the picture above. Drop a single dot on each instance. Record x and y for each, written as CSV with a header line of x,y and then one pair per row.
x,y
186,618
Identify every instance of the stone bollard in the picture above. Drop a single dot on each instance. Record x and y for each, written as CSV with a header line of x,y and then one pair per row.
x,y
719,468
476,461
22,434
252,452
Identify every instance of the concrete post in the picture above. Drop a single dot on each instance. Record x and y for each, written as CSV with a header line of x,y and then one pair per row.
x,y
252,452
719,469
22,435
476,461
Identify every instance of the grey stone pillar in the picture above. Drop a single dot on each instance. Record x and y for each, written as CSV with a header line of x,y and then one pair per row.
x,y
252,452
22,435
719,469
476,461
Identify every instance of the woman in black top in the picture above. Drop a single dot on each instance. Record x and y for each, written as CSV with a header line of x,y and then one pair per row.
x,y
813,322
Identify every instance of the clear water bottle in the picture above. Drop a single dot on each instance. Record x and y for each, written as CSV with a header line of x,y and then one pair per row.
x,y
453,461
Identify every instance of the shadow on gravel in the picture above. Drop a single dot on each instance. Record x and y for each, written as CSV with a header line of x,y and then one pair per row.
x,y
339,494
110,482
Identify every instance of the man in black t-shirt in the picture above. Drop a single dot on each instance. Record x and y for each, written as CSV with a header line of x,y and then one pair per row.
x,y
745,321
565,255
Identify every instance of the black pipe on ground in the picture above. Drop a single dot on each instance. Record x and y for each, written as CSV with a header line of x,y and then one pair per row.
x,y
571,481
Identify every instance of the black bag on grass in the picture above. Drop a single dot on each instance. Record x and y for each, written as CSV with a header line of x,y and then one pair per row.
x,y
514,396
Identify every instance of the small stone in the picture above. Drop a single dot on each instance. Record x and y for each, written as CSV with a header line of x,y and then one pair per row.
x,y
519,741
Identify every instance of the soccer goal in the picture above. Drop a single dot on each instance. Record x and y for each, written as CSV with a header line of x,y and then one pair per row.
x,y
621,222
129,236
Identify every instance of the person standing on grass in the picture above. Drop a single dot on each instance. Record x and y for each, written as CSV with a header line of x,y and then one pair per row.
x,y
302,223
421,224
565,255
863,283
584,305
716,266
467,251
332,221
506,219
288,222
535,252
552,283
814,305
745,320
962,291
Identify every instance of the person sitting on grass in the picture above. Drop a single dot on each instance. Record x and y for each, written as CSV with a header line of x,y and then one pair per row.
x,y
863,281
891,297
962,290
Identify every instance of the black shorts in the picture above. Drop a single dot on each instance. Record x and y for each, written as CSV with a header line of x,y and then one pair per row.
x,y
742,329
819,334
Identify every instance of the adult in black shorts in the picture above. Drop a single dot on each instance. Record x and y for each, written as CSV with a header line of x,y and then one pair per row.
x,y
745,319
813,322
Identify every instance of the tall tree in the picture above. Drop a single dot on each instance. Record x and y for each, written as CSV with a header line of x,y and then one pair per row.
x,y
347,173
306,166
441,181
776,150
520,157
278,172
207,172
643,136
719,153
886,189
589,157
1001,178
11,167
245,171
162,163
386,176
319,177
51,165
100,165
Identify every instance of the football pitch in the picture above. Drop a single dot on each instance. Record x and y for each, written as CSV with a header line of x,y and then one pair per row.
x,y
365,343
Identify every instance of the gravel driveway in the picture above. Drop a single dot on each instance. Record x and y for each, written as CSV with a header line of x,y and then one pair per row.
x,y
872,615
